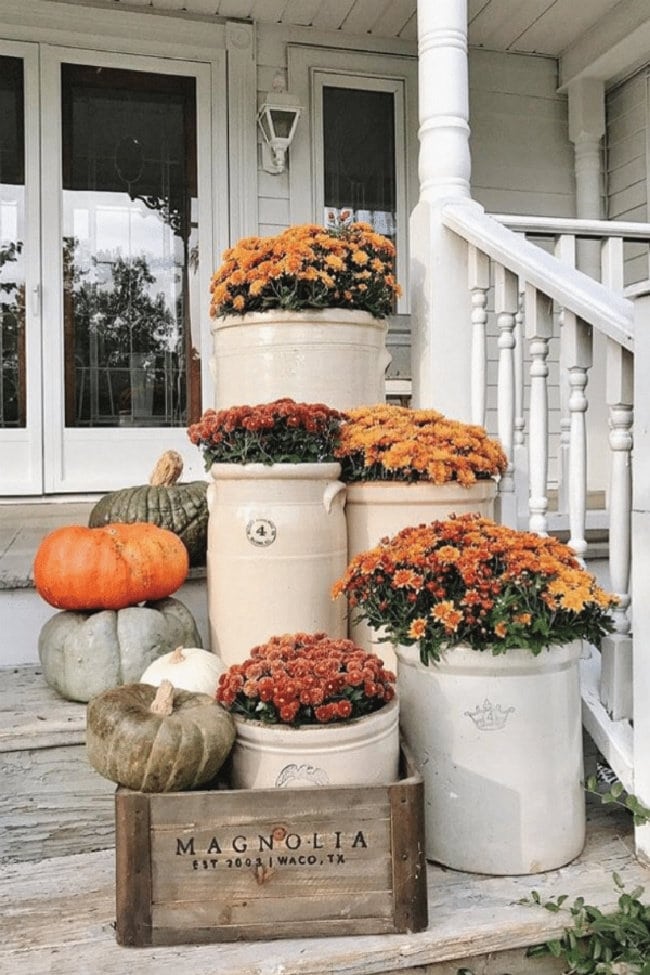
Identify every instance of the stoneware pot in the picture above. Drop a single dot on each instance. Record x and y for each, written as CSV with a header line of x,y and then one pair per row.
x,y
375,509
498,742
360,752
276,545
331,356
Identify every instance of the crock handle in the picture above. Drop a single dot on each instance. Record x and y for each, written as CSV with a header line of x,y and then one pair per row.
x,y
332,491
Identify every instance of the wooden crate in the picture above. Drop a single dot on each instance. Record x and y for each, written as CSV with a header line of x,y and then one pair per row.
x,y
230,865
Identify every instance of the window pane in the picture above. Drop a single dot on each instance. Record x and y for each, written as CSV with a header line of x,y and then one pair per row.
x,y
359,149
130,248
12,229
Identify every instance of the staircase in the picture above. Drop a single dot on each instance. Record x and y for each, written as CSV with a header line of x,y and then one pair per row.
x,y
57,886
56,848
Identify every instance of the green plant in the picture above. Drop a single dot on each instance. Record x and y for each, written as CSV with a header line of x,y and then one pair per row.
x,y
395,443
617,795
306,679
470,581
597,943
281,432
307,266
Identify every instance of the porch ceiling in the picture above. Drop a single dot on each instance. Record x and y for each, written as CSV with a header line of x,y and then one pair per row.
x,y
526,26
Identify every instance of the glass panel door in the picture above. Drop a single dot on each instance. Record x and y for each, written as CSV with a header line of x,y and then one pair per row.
x,y
129,179
20,448
130,345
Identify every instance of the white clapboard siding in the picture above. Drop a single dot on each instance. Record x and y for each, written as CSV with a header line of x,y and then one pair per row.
x,y
522,159
627,164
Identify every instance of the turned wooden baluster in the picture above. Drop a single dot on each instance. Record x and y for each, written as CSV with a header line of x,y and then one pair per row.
x,y
506,303
565,251
616,661
538,326
520,454
577,342
478,279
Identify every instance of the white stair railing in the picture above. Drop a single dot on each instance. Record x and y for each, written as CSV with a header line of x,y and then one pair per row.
x,y
533,291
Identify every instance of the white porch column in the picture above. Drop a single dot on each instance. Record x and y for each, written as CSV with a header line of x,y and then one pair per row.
x,y
441,305
587,126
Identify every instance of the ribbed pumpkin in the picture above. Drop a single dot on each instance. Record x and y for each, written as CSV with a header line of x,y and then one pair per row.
x,y
85,653
157,739
181,508
109,568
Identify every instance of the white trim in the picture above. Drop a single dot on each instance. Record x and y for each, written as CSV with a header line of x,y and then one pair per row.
x,y
320,79
616,45
307,66
115,30
242,130
79,459
21,468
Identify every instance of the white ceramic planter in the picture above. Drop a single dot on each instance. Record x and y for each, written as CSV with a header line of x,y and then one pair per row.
x,y
332,356
276,545
360,752
498,741
375,509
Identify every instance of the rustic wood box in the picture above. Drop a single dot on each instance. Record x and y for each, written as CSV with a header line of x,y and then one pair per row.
x,y
231,865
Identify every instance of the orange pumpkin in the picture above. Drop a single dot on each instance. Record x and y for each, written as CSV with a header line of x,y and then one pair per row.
x,y
110,567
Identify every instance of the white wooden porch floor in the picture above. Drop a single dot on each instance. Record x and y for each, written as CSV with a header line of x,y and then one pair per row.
x,y
57,912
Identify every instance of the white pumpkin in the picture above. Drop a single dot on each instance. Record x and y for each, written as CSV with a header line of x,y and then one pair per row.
x,y
188,668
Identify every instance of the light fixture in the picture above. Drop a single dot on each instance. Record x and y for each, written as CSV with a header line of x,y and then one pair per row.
x,y
277,119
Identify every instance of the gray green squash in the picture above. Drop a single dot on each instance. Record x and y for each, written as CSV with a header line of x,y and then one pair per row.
x,y
85,653
157,739
181,508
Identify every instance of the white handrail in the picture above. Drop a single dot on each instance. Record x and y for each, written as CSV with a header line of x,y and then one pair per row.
x,y
580,294
553,226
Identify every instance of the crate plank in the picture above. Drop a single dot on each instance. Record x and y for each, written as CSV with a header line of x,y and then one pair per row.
x,y
225,865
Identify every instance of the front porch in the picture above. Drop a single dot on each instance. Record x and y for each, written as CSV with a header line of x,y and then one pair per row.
x,y
57,889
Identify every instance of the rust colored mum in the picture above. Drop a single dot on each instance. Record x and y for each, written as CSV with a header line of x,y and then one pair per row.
x,y
471,581
394,443
306,678
305,267
281,432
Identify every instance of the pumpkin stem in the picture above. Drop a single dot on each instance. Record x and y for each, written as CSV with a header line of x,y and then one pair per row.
x,y
168,468
163,702
177,656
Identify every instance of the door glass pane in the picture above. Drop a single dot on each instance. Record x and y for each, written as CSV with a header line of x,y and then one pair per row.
x,y
12,229
359,151
129,248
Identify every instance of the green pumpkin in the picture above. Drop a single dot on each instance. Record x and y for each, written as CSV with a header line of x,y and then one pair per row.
x,y
85,653
157,739
181,508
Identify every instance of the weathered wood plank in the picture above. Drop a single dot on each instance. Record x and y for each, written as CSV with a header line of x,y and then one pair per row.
x,y
52,803
32,715
56,918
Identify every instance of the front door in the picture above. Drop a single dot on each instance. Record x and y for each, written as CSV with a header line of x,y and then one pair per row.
x,y
105,346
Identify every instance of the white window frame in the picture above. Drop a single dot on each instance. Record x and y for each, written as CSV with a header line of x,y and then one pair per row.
x,y
21,465
312,68
90,33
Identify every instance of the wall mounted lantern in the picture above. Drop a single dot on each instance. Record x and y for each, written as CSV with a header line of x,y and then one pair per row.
x,y
277,119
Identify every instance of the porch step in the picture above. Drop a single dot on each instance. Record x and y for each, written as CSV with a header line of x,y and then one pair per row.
x,y
57,886
51,803
58,916
22,612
